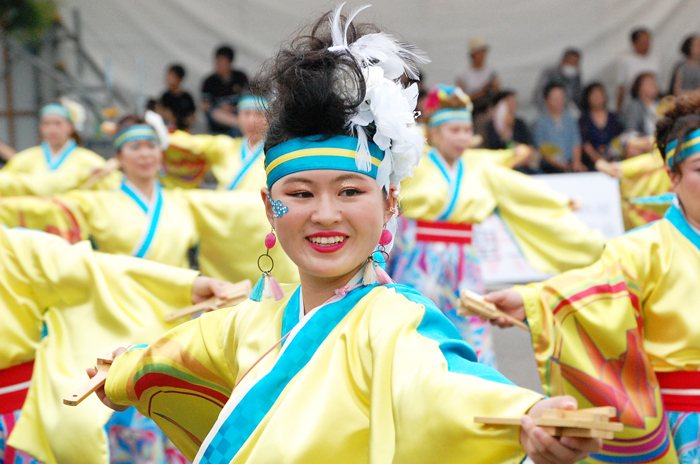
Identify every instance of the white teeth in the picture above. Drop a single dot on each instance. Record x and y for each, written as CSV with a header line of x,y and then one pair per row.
x,y
326,240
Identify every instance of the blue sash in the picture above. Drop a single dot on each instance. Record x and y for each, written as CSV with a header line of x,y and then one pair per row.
x,y
152,213
454,183
230,433
55,162
247,159
675,216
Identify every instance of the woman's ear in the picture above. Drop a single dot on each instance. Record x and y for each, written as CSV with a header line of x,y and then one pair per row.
x,y
675,177
265,193
392,201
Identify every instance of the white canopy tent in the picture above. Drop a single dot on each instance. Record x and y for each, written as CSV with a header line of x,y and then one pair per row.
x,y
136,39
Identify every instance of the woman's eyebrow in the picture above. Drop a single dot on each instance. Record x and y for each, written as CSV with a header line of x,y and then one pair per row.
x,y
292,179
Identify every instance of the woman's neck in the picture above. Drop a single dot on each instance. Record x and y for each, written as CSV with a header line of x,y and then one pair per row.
x,y
450,160
145,186
56,148
318,290
648,101
253,139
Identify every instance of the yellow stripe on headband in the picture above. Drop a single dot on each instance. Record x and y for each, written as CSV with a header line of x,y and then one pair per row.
x,y
692,142
315,152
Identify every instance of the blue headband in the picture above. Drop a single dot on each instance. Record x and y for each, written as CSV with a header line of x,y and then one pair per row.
x,y
447,115
56,109
251,102
691,146
141,131
314,152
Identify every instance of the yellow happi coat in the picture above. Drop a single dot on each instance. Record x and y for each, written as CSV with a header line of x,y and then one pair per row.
x,y
643,176
551,238
189,158
89,303
42,184
232,227
77,165
377,375
601,332
114,220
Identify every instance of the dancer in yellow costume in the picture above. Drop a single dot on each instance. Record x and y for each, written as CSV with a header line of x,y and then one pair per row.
x,y
644,187
139,218
347,367
161,229
452,190
59,151
236,163
85,302
624,332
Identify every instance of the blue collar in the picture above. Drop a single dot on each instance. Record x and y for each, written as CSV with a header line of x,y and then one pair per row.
x,y
454,182
55,161
675,217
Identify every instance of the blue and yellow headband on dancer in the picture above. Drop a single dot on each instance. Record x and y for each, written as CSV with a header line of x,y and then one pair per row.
x,y
56,109
251,102
690,146
138,132
450,114
316,152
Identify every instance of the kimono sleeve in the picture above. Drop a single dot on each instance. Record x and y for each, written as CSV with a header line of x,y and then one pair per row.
x,y
551,238
182,381
427,387
587,332
50,215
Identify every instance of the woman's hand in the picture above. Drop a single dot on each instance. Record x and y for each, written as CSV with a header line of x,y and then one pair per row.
x,y
510,302
100,392
543,448
204,288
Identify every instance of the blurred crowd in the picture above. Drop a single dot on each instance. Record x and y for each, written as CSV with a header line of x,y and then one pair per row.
x,y
577,124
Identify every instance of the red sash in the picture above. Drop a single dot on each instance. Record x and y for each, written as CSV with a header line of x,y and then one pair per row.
x,y
680,390
14,385
447,232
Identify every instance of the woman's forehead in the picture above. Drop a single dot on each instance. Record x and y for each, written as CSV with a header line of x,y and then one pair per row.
x,y
324,176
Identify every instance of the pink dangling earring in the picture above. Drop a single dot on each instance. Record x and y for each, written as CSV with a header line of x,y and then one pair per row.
x,y
373,272
267,286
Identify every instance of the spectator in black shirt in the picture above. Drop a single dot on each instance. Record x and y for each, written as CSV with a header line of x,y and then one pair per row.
x,y
177,105
505,130
221,91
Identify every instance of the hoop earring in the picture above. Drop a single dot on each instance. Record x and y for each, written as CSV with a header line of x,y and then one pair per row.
x,y
373,271
267,286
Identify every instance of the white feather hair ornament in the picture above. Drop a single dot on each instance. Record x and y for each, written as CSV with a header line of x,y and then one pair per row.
x,y
77,112
156,121
387,104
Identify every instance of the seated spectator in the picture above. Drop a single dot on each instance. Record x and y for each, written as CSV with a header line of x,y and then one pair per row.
x,y
639,60
176,104
505,130
479,80
220,93
687,76
599,127
557,135
639,115
567,74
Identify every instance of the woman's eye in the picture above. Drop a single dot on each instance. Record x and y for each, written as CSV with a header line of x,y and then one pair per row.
x,y
301,194
351,192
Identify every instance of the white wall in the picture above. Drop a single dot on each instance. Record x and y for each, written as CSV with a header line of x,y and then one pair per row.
x,y
525,35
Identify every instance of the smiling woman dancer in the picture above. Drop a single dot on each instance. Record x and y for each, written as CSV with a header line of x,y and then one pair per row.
x,y
59,150
625,331
347,367
450,193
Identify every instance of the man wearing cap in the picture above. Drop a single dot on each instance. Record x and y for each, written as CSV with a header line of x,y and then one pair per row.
x,y
479,79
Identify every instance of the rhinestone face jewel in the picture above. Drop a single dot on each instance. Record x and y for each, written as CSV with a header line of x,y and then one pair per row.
x,y
278,209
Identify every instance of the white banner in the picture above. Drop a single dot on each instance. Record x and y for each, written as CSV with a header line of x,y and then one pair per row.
x,y
502,261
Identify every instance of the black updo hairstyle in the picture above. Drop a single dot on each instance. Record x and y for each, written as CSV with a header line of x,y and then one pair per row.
x,y
682,119
310,90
